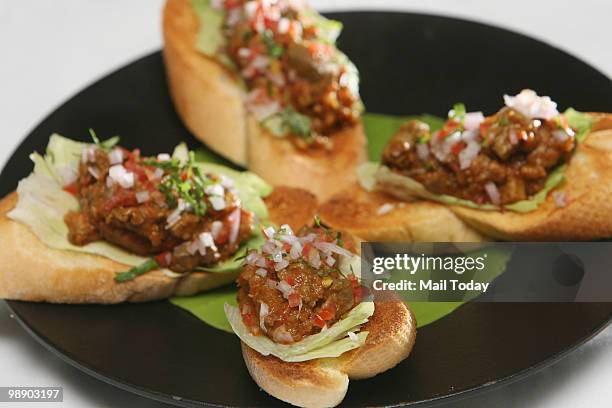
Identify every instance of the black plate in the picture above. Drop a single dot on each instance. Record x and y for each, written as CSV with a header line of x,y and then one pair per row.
x,y
410,63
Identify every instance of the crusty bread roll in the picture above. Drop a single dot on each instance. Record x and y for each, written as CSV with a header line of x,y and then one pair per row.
x,y
585,197
209,99
324,382
30,270
378,217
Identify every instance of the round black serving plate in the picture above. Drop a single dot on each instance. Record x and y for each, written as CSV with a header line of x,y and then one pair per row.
x,y
410,64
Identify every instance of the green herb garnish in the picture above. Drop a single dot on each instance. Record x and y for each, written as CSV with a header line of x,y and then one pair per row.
x,y
274,49
106,145
146,266
297,123
457,113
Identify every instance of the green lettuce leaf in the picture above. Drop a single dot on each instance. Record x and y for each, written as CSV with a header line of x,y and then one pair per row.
x,y
210,37
581,122
328,343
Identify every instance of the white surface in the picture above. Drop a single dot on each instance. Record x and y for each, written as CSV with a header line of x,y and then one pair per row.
x,y
50,50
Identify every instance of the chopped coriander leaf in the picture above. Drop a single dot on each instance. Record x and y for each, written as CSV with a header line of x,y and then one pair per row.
x,y
423,138
105,145
297,123
274,49
146,266
457,113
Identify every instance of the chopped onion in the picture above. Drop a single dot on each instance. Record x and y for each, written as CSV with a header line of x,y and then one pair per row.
x,y
285,288
244,52
272,284
531,105
264,310
269,232
218,203
115,156
118,174
215,229
215,190
261,272
560,199
493,192
280,265
158,173
314,258
560,135
142,196
68,174
283,26
330,261
94,172
385,208
281,335
473,120
468,154
352,336
88,154
252,257
296,250
234,221
422,151
328,246
162,157
261,262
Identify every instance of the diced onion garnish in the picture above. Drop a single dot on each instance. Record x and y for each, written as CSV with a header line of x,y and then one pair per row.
x,y
158,173
68,175
531,105
468,154
215,228
560,135
473,120
142,196
94,172
329,247
162,157
215,190
269,232
493,192
261,272
264,310
422,151
353,336
285,288
218,203
330,261
280,265
560,197
234,222
118,174
385,209
115,156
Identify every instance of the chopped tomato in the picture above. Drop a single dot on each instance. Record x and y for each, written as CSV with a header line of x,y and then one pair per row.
x,y
72,188
138,170
306,249
328,313
163,259
449,127
230,4
484,127
318,321
290,280
457,148
223,235
247,319
356,288
294,299
286,247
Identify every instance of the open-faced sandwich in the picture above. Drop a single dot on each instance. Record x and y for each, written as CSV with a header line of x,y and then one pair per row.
x,y
98,223
527,172
305,325
263,84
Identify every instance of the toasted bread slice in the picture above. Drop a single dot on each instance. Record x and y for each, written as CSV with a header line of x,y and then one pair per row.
x,y
578,210
324,382
376,216
30,270
209,99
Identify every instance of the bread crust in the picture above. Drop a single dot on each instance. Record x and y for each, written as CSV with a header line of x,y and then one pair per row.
x,y
209,99
31,271
357,212
324,382
587,193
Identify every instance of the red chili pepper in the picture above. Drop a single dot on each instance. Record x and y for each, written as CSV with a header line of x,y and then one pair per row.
x,y
318,321
72,188
294,300
163,259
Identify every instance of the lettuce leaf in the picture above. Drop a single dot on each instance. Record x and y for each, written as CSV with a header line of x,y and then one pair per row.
x,y
328,343
210,37
43,203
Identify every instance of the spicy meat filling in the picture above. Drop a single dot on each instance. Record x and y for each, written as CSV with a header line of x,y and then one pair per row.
x,y
295,287
157,207
294,74
499,160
